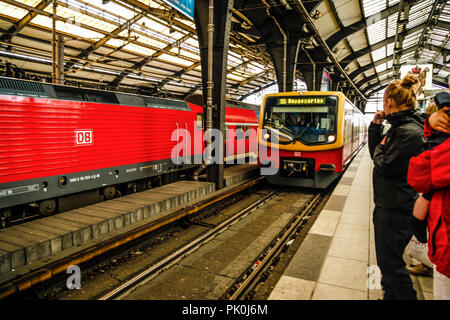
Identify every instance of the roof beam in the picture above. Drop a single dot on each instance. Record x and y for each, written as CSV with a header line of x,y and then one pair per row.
x,y
429,24
300,8
358,54
17,27
143,62
335,38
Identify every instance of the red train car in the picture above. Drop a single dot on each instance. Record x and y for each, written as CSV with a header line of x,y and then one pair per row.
x,y
63,147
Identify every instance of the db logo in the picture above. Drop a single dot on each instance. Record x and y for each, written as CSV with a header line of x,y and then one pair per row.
x,y
297,154
84,137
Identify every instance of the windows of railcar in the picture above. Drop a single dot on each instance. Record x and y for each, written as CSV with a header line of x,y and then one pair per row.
x,y
199,121
227,132
348,116
239,132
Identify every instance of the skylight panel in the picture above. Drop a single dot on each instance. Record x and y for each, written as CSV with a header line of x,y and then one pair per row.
x,y
185,53
12,11
113,7
392,25
67,28
235,77
151,42
175,60
139,49
379,54
419,13
377,32
381,67
373,6
78,17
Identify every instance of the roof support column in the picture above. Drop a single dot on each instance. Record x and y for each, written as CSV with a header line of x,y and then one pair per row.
x,y
312,72
284,58
222,27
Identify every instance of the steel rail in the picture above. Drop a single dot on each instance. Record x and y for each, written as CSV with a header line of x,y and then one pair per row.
x,y
252,278
170,260
53,269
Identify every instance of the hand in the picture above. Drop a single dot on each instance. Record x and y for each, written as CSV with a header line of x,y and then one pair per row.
x,y
440,121
379,117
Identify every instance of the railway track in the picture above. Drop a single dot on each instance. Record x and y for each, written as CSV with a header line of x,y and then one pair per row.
x,y
151,272
55,269
255,272
244,289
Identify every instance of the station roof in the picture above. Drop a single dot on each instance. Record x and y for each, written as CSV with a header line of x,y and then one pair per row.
x,y
148,46
373,36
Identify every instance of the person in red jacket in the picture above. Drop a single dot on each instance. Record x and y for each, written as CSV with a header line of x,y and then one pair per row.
x,y
429,173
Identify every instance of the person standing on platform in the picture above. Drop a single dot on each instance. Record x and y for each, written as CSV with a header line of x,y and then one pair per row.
x,y
394,198
429,173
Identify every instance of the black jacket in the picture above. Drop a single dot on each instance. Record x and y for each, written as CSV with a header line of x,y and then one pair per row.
x,y
404,140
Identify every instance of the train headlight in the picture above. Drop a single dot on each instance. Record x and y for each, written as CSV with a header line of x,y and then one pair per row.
x,y
331,138
266,136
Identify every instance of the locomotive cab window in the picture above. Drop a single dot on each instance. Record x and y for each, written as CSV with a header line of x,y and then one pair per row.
x,y
199,121
308,119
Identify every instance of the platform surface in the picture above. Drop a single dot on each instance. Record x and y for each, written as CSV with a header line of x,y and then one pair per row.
x,y
34,243
337,259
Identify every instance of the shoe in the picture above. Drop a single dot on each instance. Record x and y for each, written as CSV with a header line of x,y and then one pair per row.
x,y
420,270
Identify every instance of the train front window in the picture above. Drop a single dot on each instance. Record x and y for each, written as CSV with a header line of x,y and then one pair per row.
x,y
308,119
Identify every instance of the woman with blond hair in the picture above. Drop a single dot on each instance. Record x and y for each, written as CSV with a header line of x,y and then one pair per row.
x,y
394,197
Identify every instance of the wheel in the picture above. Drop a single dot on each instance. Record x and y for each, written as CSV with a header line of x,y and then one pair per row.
x,y
47,207
109,192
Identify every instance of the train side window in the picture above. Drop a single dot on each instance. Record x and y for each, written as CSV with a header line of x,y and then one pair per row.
x,y
239,132
199,121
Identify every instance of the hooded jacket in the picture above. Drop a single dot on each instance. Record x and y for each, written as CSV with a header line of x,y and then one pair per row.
x,y
403,141
430,172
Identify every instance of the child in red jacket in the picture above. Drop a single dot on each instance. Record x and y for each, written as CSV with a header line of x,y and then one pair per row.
x,y
429,173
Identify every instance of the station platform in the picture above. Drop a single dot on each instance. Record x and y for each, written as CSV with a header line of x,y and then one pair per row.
x,y
30,245
337,259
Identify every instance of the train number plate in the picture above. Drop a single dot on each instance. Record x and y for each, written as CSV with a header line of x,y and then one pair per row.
x,y
84,137
297,154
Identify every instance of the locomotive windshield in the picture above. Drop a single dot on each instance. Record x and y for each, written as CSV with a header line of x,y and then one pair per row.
x,y
309,119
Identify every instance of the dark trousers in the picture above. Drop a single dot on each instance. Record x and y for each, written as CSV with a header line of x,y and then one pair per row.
x,y
392,235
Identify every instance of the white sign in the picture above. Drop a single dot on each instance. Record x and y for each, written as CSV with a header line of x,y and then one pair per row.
x,y
84,137
419,69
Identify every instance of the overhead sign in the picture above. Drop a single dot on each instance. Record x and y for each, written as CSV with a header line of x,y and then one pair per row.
x,y
184,6
298,101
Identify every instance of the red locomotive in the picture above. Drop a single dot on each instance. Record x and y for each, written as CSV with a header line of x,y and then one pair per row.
x,y
63,147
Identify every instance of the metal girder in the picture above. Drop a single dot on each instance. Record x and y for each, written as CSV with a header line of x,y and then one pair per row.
x,y
335,38
300,8
222,27
428,23
22,23
341,26
371,87
267,85
358,54
101,42
280,32
369,66
373,77
143,62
